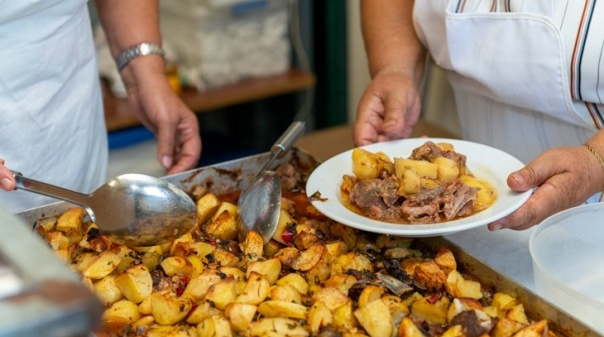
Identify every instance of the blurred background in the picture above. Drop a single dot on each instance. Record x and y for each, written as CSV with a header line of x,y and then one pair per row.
x,y
248,68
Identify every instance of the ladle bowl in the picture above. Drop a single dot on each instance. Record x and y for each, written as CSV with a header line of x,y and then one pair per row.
x,y
131,209
260,203
260,206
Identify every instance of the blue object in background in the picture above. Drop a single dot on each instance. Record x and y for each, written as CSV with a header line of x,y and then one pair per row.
x,y
128,137
217,147
248,7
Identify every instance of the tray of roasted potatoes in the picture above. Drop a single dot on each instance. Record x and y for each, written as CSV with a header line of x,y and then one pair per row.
x,y
316,277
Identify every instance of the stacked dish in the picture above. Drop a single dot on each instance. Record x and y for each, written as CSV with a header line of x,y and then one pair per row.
x,y
568,261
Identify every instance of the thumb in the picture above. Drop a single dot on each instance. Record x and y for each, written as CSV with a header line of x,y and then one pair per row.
x,y
532,175
7,181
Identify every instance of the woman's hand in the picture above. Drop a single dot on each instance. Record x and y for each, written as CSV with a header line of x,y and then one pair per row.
x,y
562,178
388,109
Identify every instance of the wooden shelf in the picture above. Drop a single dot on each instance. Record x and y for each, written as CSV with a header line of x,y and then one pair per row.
x,y
119,115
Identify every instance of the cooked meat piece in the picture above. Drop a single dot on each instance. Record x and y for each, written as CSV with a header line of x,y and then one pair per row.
x,y
329,331
422,214
377,198
230,246
365,193
388,188
457,197
466,210
424,207
447,201
430,329
289,176
161,281
374,192
459,158
388,214
428,151
473,326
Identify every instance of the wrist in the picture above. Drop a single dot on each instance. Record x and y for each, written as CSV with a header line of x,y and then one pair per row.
x,y
137,51
595,146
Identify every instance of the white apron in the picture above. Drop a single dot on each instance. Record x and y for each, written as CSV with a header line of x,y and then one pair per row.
x,y
52,126
511,74
509,66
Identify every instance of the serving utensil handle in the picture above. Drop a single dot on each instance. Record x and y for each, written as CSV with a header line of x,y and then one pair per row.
x,y
288,138
284,143
31,185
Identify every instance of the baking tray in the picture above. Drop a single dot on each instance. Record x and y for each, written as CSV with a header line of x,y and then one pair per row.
x,y
236,174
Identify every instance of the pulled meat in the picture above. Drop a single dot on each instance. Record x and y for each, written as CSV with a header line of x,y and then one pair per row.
x,y
444,203
379,198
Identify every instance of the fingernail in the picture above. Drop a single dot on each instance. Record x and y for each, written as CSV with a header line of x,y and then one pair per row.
x,y
166,161
518,178
389,123
6,184
495,227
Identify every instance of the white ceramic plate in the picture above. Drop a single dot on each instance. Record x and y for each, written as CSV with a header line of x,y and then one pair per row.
x,y
484,161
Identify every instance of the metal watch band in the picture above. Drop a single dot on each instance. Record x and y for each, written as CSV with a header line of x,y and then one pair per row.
x,y
133,52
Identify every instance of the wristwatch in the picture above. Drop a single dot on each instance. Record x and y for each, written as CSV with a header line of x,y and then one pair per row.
x,y
138,50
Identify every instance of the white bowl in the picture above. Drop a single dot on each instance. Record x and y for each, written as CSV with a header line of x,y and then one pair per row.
x,y
568,261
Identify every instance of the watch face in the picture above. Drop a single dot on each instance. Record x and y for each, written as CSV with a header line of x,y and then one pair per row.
x,y
144,49
133,52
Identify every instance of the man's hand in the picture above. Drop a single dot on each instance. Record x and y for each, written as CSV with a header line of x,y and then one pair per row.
x,y
562,177
388,109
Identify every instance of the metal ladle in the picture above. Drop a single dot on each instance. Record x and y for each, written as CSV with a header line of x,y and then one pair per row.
x,y
260,203
131,209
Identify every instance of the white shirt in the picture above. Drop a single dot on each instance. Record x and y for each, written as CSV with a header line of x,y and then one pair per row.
x,y
52,128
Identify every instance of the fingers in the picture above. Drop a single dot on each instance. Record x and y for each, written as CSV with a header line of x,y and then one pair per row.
x,y
369,119
528,215
190,150
536,172
179,145
175,125
385,113
533,211
394,116
7,181
557,177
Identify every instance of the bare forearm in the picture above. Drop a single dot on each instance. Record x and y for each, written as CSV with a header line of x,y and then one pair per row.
x,y
127,23
390,38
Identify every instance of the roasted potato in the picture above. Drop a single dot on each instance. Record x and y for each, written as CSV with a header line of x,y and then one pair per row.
x,y
368,165
423,168
135,283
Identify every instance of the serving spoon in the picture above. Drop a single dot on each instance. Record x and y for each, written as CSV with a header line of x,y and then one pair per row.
x,y
131,209
260,203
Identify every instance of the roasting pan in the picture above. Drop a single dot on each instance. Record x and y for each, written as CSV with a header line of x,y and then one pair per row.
x,y
235,174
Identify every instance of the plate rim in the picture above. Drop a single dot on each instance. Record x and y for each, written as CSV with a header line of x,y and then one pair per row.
x,y
515,199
